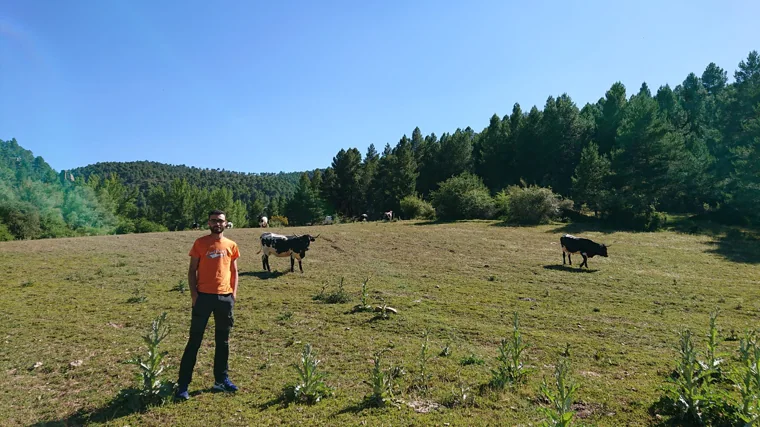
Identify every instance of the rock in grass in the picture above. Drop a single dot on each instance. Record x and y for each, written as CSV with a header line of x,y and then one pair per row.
x,y
390,309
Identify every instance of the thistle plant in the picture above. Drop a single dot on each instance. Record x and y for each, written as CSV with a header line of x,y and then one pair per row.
x,y
713,358
154,390
364,305
383,382
310,388
748,379
181,286
510,369
689,385
560,396
424,377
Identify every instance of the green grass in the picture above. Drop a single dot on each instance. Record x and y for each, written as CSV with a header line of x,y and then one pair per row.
x,y
66,300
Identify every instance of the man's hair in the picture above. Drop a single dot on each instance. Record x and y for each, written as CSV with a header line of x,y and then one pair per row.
x,y
216,212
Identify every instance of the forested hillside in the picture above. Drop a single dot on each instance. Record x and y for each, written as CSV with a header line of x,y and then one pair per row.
x,y
693,148
36,202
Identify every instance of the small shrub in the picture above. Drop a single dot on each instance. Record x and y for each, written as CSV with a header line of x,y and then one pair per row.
x,y
284,316
137,296
310,388
125,226
278,221
560,395
143,225
415,208
181,286
338,297
530,205
632,211
471,359
5,234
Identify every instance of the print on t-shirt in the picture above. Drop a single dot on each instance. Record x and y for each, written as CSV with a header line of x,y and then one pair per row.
x,y
216,253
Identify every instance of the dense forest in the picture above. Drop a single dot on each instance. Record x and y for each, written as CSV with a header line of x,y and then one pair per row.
x,y
693,148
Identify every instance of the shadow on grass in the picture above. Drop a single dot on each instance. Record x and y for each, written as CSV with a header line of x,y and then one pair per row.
x,y
280,400
263,275
433,222
583,227
737,246
731,242
356,409
569,269
124,404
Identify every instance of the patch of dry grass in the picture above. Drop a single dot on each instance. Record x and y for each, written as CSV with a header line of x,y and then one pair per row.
x,y
66,300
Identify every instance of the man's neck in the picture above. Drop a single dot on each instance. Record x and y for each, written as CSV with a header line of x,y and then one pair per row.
x,y
217,236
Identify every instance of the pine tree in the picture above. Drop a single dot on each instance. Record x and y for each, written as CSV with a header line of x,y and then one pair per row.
x,y
305,207
590,181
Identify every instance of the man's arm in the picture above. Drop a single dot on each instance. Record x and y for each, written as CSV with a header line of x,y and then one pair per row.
x,y
234,279
192,278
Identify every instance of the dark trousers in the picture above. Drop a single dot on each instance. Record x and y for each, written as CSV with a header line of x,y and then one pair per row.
x,y
221,306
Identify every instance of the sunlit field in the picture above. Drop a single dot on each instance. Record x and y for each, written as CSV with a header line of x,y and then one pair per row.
x,y
73,309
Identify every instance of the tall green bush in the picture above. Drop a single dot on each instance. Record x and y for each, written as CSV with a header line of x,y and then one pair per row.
x,y
530,204
463,197
413,207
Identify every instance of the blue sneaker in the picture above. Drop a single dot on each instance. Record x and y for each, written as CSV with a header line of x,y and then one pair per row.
x,y
225,385
182,393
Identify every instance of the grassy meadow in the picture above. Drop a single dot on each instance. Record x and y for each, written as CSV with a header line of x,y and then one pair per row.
x,y
72,309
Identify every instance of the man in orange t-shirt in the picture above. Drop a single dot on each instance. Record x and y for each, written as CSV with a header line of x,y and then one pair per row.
x,y
213,277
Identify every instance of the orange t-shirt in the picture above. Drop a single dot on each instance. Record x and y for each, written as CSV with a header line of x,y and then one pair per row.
x,y
216,258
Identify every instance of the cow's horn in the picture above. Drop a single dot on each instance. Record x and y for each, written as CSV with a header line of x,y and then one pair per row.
x,y
317,235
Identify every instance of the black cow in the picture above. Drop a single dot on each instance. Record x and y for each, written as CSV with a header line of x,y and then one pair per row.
x,y
587,248
281,246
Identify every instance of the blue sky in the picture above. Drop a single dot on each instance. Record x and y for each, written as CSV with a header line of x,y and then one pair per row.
x,y
258,86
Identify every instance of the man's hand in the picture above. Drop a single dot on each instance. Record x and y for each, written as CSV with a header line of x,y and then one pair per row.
x,y
194,296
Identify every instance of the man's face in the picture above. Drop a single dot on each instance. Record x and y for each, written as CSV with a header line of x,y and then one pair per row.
x,y
216,223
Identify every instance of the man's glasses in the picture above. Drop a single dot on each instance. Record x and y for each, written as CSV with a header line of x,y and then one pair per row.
x,y
216,221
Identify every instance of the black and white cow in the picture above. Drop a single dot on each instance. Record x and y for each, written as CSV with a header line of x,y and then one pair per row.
x,y
587,248
281,246
388,215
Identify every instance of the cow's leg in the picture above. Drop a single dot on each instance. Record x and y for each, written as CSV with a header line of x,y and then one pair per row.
x,y
292,264
570,258
300,266
585,260
563,258
264,262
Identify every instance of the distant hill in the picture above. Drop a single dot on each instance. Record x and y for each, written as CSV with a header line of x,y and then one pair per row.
x,y
146,174
36,202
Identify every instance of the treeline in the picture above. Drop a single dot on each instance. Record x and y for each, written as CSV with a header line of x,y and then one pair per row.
x,y
694,148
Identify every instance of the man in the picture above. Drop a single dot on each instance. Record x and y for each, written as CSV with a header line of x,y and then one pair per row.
x,y
213,278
